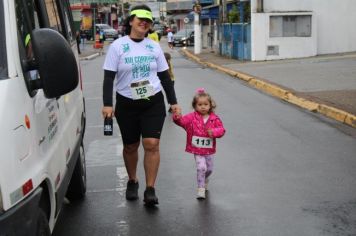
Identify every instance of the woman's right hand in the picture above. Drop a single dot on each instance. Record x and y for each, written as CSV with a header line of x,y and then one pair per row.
x,y
107,112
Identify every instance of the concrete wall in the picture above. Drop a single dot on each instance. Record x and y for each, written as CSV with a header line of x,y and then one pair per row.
x,y
333,27
288,47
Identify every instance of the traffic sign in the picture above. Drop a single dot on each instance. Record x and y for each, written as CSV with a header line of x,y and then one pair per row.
x,y
186,20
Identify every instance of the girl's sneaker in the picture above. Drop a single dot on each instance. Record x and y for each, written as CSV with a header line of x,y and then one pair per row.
x,y
201,193
206,184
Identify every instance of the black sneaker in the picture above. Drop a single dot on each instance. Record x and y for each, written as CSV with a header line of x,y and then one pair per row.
x,y
131,190
150,198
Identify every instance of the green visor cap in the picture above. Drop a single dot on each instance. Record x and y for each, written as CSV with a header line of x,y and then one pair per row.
x,y
142,14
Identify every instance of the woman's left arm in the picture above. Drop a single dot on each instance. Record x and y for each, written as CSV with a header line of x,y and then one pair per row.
x,y
167,85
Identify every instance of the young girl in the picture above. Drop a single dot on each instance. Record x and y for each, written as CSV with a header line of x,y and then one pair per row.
x,y
202,127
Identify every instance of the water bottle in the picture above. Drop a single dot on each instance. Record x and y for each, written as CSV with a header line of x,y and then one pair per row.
x,y
108,127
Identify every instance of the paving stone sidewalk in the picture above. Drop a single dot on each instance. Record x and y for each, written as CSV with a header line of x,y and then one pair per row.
x,y
329,79
324,84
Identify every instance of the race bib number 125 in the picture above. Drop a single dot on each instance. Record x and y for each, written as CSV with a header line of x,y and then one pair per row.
x,y
141,90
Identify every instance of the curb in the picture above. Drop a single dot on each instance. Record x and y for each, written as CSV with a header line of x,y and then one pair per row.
x,y
90,57
281,93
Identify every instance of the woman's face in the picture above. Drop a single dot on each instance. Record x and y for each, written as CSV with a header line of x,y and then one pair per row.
x,y
140,26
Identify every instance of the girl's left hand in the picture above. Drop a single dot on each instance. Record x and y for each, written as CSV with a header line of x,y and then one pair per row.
x,y
210,133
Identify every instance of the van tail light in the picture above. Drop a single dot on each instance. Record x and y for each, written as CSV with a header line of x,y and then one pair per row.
x,y
21,192
27,187
27,122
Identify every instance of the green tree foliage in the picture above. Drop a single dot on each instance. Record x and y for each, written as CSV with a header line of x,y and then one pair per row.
x,y
233,15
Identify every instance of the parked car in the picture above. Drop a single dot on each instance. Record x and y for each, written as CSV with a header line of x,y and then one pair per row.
x,y
109,32
184,37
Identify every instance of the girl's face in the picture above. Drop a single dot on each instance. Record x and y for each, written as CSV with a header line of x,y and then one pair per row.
x,y
203,105
139,27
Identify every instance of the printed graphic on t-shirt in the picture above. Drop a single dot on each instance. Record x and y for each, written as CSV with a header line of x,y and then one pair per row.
x,y
149,47
140,65
126,48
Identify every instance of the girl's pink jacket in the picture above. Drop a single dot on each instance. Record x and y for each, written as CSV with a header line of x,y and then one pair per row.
x,y
193,124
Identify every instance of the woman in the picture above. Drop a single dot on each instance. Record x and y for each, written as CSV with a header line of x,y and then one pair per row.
x,y
141,71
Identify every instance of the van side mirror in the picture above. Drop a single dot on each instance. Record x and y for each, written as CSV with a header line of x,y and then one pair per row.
x,y
55,62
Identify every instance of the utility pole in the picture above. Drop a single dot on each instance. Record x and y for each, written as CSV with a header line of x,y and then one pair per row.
x,y
224,11
197,28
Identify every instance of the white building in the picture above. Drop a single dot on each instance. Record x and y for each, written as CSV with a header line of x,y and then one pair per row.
x,y
283,29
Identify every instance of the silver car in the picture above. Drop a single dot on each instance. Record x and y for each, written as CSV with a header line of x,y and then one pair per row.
x,y
109,32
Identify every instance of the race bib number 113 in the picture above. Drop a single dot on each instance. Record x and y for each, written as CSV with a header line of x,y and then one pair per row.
x,y
202,142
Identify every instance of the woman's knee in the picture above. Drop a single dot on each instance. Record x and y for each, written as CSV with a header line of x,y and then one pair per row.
x,y
131,148
151,144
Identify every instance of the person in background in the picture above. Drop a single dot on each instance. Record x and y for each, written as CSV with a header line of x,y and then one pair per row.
x,y
202,126
170,70
141,72
152,34
101,36
170,38
78,39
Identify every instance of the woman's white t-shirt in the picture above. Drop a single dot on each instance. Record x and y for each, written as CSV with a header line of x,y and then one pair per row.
x,y
135,62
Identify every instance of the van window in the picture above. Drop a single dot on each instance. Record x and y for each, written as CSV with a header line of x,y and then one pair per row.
x,y
3,64
53,15
68,23
27,20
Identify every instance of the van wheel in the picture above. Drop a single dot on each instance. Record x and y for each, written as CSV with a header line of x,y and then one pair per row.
x,y
42,225
78,184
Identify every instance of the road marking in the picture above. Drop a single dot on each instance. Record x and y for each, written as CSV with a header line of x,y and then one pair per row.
x,y
122,177
123,228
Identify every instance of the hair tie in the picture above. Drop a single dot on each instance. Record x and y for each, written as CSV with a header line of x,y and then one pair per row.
x,y
200,90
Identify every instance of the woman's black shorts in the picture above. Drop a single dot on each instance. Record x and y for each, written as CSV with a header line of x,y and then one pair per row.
x,y
143,117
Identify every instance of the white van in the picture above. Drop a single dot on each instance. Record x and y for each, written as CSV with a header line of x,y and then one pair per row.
x,y
42,115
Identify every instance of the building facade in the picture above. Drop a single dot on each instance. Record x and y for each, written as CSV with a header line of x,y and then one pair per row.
x,y
290,29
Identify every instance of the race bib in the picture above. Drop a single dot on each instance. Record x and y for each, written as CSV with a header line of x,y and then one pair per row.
x,y
141,90
202,142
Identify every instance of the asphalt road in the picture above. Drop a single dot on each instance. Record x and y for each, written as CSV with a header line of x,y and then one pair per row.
x,y
279,170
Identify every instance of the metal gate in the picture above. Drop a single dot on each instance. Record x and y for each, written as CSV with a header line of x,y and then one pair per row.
x,y
236,41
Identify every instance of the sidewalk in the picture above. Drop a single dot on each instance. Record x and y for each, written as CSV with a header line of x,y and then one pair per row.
x,y
88,52
323,84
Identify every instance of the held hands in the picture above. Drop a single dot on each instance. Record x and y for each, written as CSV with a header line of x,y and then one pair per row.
x,y
107,112
176,110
